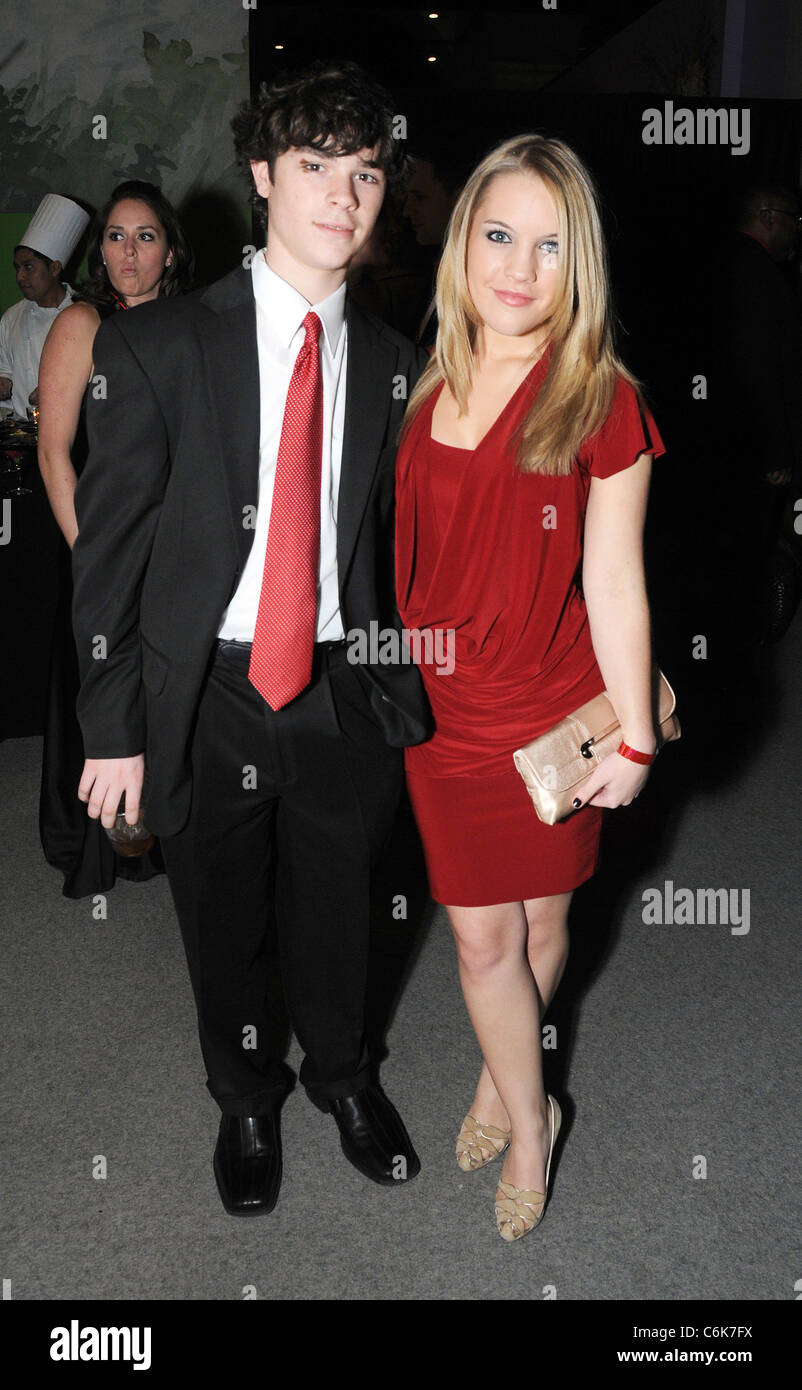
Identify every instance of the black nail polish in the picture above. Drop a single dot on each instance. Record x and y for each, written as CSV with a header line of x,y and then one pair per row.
x,y
576,801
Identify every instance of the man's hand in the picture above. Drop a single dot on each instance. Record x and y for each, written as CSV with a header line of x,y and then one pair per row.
x,y
33,399
6,387
103,782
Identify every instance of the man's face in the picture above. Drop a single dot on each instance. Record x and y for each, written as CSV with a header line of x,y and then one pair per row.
x,y
35,277
321,207
427,204
782,232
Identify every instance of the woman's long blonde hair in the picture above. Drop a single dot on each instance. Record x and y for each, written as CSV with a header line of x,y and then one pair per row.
x,y
575,398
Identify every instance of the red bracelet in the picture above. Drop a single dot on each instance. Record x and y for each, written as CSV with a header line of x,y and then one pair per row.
x,y
634,756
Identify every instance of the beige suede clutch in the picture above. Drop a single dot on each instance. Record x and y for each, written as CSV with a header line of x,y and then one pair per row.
x,y
555,765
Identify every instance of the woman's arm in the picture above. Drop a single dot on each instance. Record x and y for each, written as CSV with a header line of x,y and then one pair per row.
x,y
64,370
614,585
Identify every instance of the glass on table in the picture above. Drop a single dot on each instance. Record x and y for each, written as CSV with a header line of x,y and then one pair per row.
x,y
14,458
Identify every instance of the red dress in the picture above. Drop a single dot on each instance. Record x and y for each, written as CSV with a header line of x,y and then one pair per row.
x,y
488,567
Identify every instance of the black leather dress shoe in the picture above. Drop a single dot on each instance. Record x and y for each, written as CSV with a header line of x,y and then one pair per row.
x,y
247,1163
373,1136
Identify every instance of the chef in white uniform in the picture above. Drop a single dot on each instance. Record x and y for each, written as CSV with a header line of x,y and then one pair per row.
x,y
47,244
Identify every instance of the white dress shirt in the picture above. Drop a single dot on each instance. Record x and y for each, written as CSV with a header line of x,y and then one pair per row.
x,y
280,312
23,329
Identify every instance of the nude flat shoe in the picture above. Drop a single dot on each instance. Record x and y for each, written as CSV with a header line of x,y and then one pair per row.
x,y
478,1144
516,1207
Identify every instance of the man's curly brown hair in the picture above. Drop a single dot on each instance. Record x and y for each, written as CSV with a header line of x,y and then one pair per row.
x,y
331,106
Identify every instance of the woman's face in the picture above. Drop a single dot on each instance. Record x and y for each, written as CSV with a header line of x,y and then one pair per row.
x,y
135,250
513,256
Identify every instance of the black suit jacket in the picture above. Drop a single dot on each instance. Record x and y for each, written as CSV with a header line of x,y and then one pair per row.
x,y
163,506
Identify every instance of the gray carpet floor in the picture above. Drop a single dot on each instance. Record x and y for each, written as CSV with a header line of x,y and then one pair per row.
x,y
677,1061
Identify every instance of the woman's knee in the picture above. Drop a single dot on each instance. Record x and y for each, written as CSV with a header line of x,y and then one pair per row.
x,y
485,944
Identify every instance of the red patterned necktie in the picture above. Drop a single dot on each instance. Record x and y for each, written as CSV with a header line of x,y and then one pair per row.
x,y
283,640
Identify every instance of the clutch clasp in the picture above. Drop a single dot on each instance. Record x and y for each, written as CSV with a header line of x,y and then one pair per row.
x,y
585,748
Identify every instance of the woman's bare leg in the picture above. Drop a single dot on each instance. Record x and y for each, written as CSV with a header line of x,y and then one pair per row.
x,y
511,959
547,951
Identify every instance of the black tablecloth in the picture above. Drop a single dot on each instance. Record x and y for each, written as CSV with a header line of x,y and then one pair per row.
x,y
33,554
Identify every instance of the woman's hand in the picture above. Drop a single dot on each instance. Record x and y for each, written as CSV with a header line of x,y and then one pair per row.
x,y
616,782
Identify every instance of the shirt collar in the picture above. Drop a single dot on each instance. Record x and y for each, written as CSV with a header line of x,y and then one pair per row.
x,y
286,308
68,293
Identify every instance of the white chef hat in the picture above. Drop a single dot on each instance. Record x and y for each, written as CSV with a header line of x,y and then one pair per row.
x,y
55,228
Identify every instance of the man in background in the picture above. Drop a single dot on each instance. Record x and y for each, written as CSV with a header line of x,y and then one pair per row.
x,y
762,397
47,244
434,186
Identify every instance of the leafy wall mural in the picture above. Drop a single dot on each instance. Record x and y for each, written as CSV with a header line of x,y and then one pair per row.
x,y
166,80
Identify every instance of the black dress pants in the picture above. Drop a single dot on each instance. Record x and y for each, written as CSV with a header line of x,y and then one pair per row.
x,y
290,810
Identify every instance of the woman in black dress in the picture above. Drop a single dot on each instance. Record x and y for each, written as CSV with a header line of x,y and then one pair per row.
x,y
137,251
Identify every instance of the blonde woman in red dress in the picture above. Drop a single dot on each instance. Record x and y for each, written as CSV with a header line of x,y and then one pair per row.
x,y
522,481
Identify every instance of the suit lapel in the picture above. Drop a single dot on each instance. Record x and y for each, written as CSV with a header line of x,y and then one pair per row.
x,y
229,350
372,361
228,347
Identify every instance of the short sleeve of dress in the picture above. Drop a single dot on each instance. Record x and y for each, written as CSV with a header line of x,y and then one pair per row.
x,y
628,431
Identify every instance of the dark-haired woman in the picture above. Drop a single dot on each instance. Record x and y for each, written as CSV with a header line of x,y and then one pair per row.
x,y
137,251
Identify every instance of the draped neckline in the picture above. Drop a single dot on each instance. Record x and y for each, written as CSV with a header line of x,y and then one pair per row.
x,y
466,449
471,474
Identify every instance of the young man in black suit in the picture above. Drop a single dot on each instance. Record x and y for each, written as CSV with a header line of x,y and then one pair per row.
x,y
213,597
